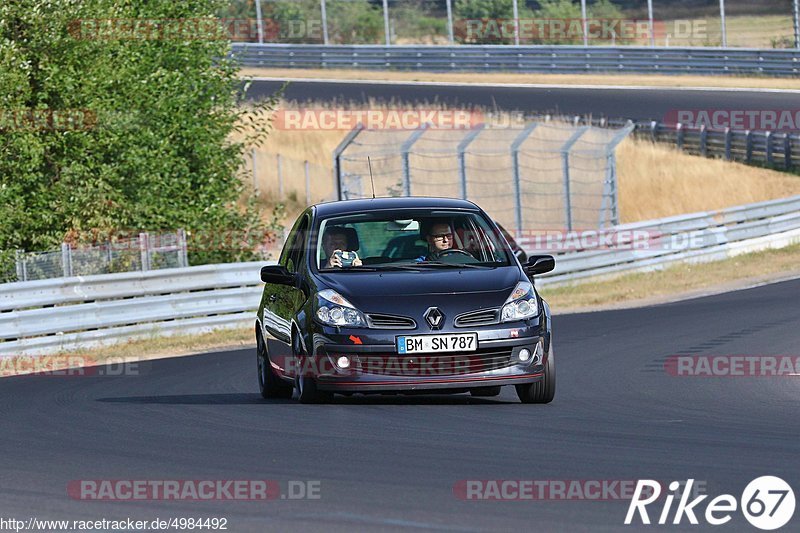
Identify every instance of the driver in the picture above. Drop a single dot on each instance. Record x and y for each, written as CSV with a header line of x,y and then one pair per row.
x,y
440,238
335,240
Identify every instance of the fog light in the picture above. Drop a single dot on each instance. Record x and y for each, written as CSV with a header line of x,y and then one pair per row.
x,y
343,362
524,354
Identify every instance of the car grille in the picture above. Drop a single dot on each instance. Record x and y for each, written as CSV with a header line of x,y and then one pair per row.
x,y
380,321
432,365
482,317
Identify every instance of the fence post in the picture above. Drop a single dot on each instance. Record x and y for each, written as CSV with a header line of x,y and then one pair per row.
x,y
703,140
610,189
515,172
565,149
308,182
22,274
66,260
337,153
748,145
679,135
324,13
653,129
728,142
144,251
280,177
450,37
259,22
768,147
183,255
405,150
462,147
386,30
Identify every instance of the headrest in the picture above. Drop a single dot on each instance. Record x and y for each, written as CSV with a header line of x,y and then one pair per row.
x,y
350,234
352,239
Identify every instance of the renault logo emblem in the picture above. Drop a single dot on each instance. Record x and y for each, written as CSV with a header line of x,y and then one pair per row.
x,y
434,317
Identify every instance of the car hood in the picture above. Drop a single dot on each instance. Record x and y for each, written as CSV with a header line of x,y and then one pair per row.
x,y
390,291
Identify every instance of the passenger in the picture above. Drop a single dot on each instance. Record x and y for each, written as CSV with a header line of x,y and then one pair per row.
x,y
335,240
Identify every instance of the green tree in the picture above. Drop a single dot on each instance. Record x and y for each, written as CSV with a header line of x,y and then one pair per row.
x,y
355,22
152,151
486,21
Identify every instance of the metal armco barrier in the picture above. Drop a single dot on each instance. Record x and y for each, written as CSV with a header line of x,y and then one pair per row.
x,y
697,237
530,58
70,313
780,149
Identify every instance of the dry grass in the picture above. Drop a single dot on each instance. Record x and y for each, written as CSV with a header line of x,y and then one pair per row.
x,y
677,281
745,31
657,180
555,79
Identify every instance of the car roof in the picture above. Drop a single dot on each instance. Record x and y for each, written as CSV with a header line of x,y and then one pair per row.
x,y
344,207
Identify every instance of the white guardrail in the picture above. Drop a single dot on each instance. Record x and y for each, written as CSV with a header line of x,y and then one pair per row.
x,y
62,314
525,58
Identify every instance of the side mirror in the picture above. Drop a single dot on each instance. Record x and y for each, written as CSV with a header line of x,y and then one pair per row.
x,y
539,264
277,274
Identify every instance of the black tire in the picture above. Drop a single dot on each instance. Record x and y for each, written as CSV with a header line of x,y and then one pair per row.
x,y
544,390
486,391
309,393
269,384
307,390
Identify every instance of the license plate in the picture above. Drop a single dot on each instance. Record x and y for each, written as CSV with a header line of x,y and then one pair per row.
x,y
452,342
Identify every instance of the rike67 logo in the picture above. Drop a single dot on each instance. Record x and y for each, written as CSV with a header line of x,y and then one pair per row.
x,y
767,503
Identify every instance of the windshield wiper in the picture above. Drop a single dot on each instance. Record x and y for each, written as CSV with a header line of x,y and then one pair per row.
x,y
361,268
440,264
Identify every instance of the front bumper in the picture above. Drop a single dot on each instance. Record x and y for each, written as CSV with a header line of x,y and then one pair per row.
x,y
376,366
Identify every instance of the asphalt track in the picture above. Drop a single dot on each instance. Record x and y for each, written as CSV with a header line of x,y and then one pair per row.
x,y
620,102
390,463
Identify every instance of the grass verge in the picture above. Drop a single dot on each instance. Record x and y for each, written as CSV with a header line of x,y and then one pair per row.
x,y
677,80
676,282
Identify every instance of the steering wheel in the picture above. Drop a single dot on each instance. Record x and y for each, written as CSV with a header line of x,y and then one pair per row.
x,y
452,251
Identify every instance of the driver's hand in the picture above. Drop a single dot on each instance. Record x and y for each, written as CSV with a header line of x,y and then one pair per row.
x,y
356,262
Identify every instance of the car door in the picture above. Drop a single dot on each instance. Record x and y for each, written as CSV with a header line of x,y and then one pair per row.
x,y
283,301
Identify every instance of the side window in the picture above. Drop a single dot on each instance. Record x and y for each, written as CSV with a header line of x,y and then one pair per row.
x,y
294,248
297,252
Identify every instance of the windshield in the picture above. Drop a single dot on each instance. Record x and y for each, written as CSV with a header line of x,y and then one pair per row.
x,y
413,239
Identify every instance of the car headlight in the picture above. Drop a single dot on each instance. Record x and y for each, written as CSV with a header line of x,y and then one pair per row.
x,y
333,309
521,304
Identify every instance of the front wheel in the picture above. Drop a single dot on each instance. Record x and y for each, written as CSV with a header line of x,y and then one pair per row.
x,y
269,384
309,393
544,390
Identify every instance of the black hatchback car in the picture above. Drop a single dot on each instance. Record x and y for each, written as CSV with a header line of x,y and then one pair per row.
x,y
402,295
